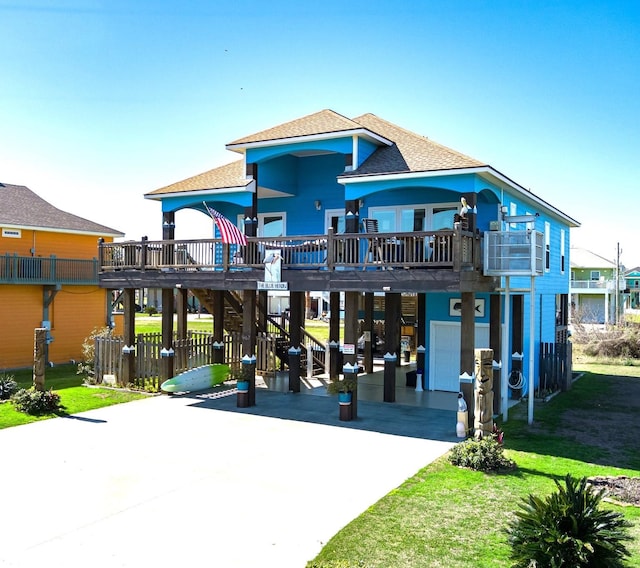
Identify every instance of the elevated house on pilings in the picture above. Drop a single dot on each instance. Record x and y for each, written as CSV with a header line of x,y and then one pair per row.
x,y
363,207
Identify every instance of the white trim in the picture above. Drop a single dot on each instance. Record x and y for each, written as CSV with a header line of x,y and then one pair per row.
x,y
63,230
204,192
363,132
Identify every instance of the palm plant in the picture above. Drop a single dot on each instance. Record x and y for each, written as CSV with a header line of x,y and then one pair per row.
x,y
568,529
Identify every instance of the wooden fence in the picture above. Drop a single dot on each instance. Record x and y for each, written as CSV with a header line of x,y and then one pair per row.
x,y
193,351
555,367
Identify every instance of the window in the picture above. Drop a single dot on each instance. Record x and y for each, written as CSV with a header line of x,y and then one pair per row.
x,y
334,218
562,255
595,275
407,218
269,224
547,246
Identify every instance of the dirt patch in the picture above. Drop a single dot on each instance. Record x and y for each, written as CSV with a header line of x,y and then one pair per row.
x,y
622,489
610,423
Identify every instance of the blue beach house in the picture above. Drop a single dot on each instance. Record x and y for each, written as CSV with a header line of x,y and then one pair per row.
x,y
373,218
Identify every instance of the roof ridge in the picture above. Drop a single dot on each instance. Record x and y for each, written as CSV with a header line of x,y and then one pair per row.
x,y
416,135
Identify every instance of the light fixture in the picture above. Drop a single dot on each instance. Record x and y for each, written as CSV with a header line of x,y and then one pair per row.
x,y
361,203
318,205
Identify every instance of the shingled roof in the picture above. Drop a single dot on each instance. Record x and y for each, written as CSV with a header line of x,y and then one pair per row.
x,y
401,151
229,175
322,122
21,207
409,153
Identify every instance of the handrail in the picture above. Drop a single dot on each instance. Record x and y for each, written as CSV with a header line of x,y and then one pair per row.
x,y
419,249
15,269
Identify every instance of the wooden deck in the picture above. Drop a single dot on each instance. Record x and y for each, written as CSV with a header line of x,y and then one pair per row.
x,y
402,262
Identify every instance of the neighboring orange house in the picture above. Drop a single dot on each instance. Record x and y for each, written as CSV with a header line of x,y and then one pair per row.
x,y
48,278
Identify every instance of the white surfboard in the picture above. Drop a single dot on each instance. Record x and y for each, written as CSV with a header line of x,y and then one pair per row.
x,y
200,378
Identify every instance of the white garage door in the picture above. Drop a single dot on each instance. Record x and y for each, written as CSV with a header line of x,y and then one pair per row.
x,y
444,355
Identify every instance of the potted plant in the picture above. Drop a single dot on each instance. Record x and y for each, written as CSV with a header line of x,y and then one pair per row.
x,y
343,389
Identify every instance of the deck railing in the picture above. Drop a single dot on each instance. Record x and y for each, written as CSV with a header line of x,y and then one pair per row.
x,y
420,249
16,269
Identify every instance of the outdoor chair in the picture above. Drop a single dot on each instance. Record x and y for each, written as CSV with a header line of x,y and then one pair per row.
x,y
374,248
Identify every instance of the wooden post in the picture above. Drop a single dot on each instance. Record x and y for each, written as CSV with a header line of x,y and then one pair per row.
x,y
351,305
296,316
39,356
167,355
129,332
181,308
249,341
392,308
368,327
467,346
421,334
389,388
218,325
334,335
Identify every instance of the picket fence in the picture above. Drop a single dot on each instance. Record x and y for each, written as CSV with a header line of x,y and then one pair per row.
x,y
195,350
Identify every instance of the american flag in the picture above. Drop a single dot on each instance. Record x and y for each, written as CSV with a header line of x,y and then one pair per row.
x,y
229,233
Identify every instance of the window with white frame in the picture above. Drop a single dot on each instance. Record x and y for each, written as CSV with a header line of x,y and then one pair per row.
x,y
595,275
547,246
335,219
408,218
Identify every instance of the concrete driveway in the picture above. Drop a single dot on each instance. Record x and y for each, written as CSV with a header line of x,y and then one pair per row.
x,y
194,481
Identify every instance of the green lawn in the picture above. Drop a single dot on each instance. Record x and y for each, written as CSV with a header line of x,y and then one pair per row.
x,y
73,395
445,516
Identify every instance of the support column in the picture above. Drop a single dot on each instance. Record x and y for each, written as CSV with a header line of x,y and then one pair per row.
x,y
467,346
129,349
218,326
351,305
495,343
181,310
389,388
249,341
296,318
167,353
368,332
335,365
392,306
421,335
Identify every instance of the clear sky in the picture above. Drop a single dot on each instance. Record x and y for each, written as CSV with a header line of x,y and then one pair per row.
x,y
102,101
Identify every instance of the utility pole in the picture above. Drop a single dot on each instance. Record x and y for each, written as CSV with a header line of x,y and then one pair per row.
x,y
617,284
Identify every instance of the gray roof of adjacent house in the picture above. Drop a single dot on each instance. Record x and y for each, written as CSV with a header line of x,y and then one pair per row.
x,y
22,208
583,258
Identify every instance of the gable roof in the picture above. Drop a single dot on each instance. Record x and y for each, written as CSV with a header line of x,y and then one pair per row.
x,y
409,153
323,122
22,208
583,258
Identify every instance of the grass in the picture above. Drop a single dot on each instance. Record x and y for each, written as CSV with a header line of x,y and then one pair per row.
x,y
74,396
450,517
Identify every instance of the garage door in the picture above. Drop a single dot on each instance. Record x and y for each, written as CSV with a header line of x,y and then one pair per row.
x,y
592,309
444,355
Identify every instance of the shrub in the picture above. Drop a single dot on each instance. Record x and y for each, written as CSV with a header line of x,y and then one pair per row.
x,y
88,354
568,529
486,454
8,386
151,310
31,401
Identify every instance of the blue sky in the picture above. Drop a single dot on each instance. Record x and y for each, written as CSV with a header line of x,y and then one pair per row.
x,y
103,101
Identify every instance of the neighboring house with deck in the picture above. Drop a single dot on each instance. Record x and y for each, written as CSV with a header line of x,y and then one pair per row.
x,y
48,278
363,209
594,292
